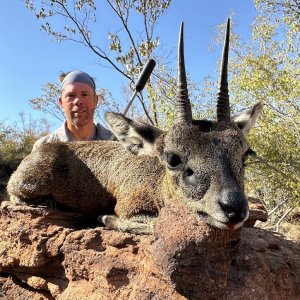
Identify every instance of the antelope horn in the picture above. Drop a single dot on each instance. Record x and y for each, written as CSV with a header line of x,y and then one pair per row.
x,y
183,111
223,107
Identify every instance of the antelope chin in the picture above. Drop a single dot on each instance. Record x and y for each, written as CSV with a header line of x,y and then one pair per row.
x,y
204,217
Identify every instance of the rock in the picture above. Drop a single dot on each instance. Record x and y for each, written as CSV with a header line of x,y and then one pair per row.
x,y
55,255
195,257
257,212
265,267
15,289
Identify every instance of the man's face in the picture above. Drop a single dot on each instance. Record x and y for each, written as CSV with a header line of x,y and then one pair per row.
x,y
78,101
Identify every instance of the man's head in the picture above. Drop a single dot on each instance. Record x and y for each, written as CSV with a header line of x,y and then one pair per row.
x,y
78,97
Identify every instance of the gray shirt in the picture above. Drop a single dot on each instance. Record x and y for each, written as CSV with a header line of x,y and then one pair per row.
x,y
62,135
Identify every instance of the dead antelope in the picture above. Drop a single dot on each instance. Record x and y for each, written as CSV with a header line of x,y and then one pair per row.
x,y
197,162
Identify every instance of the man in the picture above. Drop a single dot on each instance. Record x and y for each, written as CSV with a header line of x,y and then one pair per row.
x,y
78,101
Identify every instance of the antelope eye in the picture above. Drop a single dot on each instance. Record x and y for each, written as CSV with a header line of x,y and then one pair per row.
x,y
173,160
248,153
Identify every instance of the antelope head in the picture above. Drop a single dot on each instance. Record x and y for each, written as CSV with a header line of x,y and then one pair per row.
x,y
203,160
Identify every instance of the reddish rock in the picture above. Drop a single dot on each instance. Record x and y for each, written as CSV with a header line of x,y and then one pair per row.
x,y
265,267
257,212
51,256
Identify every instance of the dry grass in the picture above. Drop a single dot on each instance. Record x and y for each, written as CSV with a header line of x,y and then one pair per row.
x,y
289,227
290,231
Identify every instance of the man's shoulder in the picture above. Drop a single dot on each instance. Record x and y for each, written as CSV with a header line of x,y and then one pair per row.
x,y
102,132
59,135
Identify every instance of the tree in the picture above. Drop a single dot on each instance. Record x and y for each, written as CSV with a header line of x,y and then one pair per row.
x,y
128,49
288,11
16,140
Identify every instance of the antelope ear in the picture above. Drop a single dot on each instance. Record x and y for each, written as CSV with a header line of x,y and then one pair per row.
x,y
246,120
138,138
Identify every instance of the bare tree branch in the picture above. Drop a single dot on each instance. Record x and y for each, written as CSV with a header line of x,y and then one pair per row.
x,y
124,22
282,218
87,40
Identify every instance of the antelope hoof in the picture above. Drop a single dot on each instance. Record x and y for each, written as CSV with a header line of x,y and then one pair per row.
x,y
16,201
108,221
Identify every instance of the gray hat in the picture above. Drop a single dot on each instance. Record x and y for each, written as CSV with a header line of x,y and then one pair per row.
x,y
78,76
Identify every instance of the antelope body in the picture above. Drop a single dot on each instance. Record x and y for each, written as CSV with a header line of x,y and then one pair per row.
x,y
198,163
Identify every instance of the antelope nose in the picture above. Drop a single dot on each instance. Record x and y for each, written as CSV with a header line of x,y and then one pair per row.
x,y
234,206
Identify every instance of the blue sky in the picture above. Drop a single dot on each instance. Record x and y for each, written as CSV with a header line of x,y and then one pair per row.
x,y
29,58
